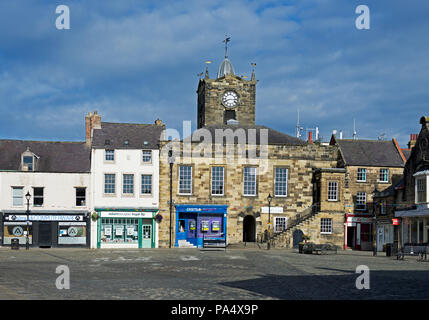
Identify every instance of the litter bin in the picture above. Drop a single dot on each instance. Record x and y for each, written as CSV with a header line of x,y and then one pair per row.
x,y
14,244
388,249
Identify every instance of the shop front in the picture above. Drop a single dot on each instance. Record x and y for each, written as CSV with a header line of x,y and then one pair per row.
x,y
414,226
359,232
47,229
126,228
198,223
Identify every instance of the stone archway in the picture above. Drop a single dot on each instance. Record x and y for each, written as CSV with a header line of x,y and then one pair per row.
x,y
249,229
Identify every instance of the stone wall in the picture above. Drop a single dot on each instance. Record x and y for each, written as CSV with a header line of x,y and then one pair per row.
x,y
300,161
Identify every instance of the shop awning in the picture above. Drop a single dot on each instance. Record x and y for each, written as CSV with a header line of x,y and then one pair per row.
x,y
412,213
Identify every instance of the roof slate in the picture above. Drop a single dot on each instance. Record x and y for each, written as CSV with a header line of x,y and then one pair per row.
x,y
135,134
374,153
274,137
64,157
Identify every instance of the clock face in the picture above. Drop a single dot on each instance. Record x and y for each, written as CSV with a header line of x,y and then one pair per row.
x,y
230,99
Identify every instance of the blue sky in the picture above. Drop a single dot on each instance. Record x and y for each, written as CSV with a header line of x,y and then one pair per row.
x,y
135,61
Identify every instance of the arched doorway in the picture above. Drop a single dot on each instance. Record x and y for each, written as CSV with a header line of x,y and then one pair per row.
x,y
249,229
297,237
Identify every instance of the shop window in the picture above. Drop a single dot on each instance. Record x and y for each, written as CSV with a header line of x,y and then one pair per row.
x,y
326,225
280,182
115,230
80,197
38,197
17,196
181,225
361,175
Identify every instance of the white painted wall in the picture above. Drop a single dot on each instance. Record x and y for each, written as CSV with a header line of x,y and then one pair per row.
x,y
59,190
127,161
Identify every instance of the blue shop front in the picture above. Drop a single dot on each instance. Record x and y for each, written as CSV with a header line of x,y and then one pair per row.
x,y
199,224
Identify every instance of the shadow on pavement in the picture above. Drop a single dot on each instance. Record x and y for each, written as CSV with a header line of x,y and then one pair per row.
x,y
383,285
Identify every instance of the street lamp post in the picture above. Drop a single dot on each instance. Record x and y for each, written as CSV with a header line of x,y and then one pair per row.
x,y
171,160
27,242
375,231
269,198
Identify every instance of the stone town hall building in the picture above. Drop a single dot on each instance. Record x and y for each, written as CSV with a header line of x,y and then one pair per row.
x,y
224,172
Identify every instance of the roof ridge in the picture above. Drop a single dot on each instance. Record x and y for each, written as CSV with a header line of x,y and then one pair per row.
x,y
134,124
41,141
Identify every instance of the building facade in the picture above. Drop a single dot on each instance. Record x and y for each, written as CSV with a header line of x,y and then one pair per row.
x,y
125,176
233,180
45,193
371,166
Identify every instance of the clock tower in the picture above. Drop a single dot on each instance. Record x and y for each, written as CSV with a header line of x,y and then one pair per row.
x,y
226,97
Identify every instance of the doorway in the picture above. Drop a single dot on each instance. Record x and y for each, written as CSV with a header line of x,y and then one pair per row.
x,y
45,234
351,237
297,237
249,229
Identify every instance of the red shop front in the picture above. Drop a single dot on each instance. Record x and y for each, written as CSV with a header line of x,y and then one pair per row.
x,y
358,233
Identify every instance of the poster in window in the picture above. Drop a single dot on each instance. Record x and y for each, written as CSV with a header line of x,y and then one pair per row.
x,y
204,226
215,226
70,233
108,231
16,230
192,225
130,231
119,231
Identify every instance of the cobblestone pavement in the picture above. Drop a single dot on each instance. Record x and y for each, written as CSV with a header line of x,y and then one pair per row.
x,y
191,274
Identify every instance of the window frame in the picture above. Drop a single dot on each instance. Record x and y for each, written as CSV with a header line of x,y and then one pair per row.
x,y
254,183
141,184
126,184
212,181
106,155
359,203
38,196
326,228
143,156
21,197
276,223
191,180
385,175
421,182
330,190
80,197
360,172
114,184
276,181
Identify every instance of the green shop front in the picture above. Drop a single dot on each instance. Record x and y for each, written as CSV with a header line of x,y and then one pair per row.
x,y
126,228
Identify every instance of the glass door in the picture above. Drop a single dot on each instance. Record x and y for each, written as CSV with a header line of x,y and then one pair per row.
x,y
146,235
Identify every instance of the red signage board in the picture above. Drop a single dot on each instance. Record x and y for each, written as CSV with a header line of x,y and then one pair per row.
x,y
395,222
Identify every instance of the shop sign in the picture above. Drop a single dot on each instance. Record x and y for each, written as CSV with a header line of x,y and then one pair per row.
x,y
272,209
395,222
125,214
44,218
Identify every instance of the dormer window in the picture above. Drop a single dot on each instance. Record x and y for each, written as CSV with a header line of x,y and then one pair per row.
x,y
27,163
28,159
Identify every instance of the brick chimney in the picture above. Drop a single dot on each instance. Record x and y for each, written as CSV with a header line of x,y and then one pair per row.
x,y
92,121
413,139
